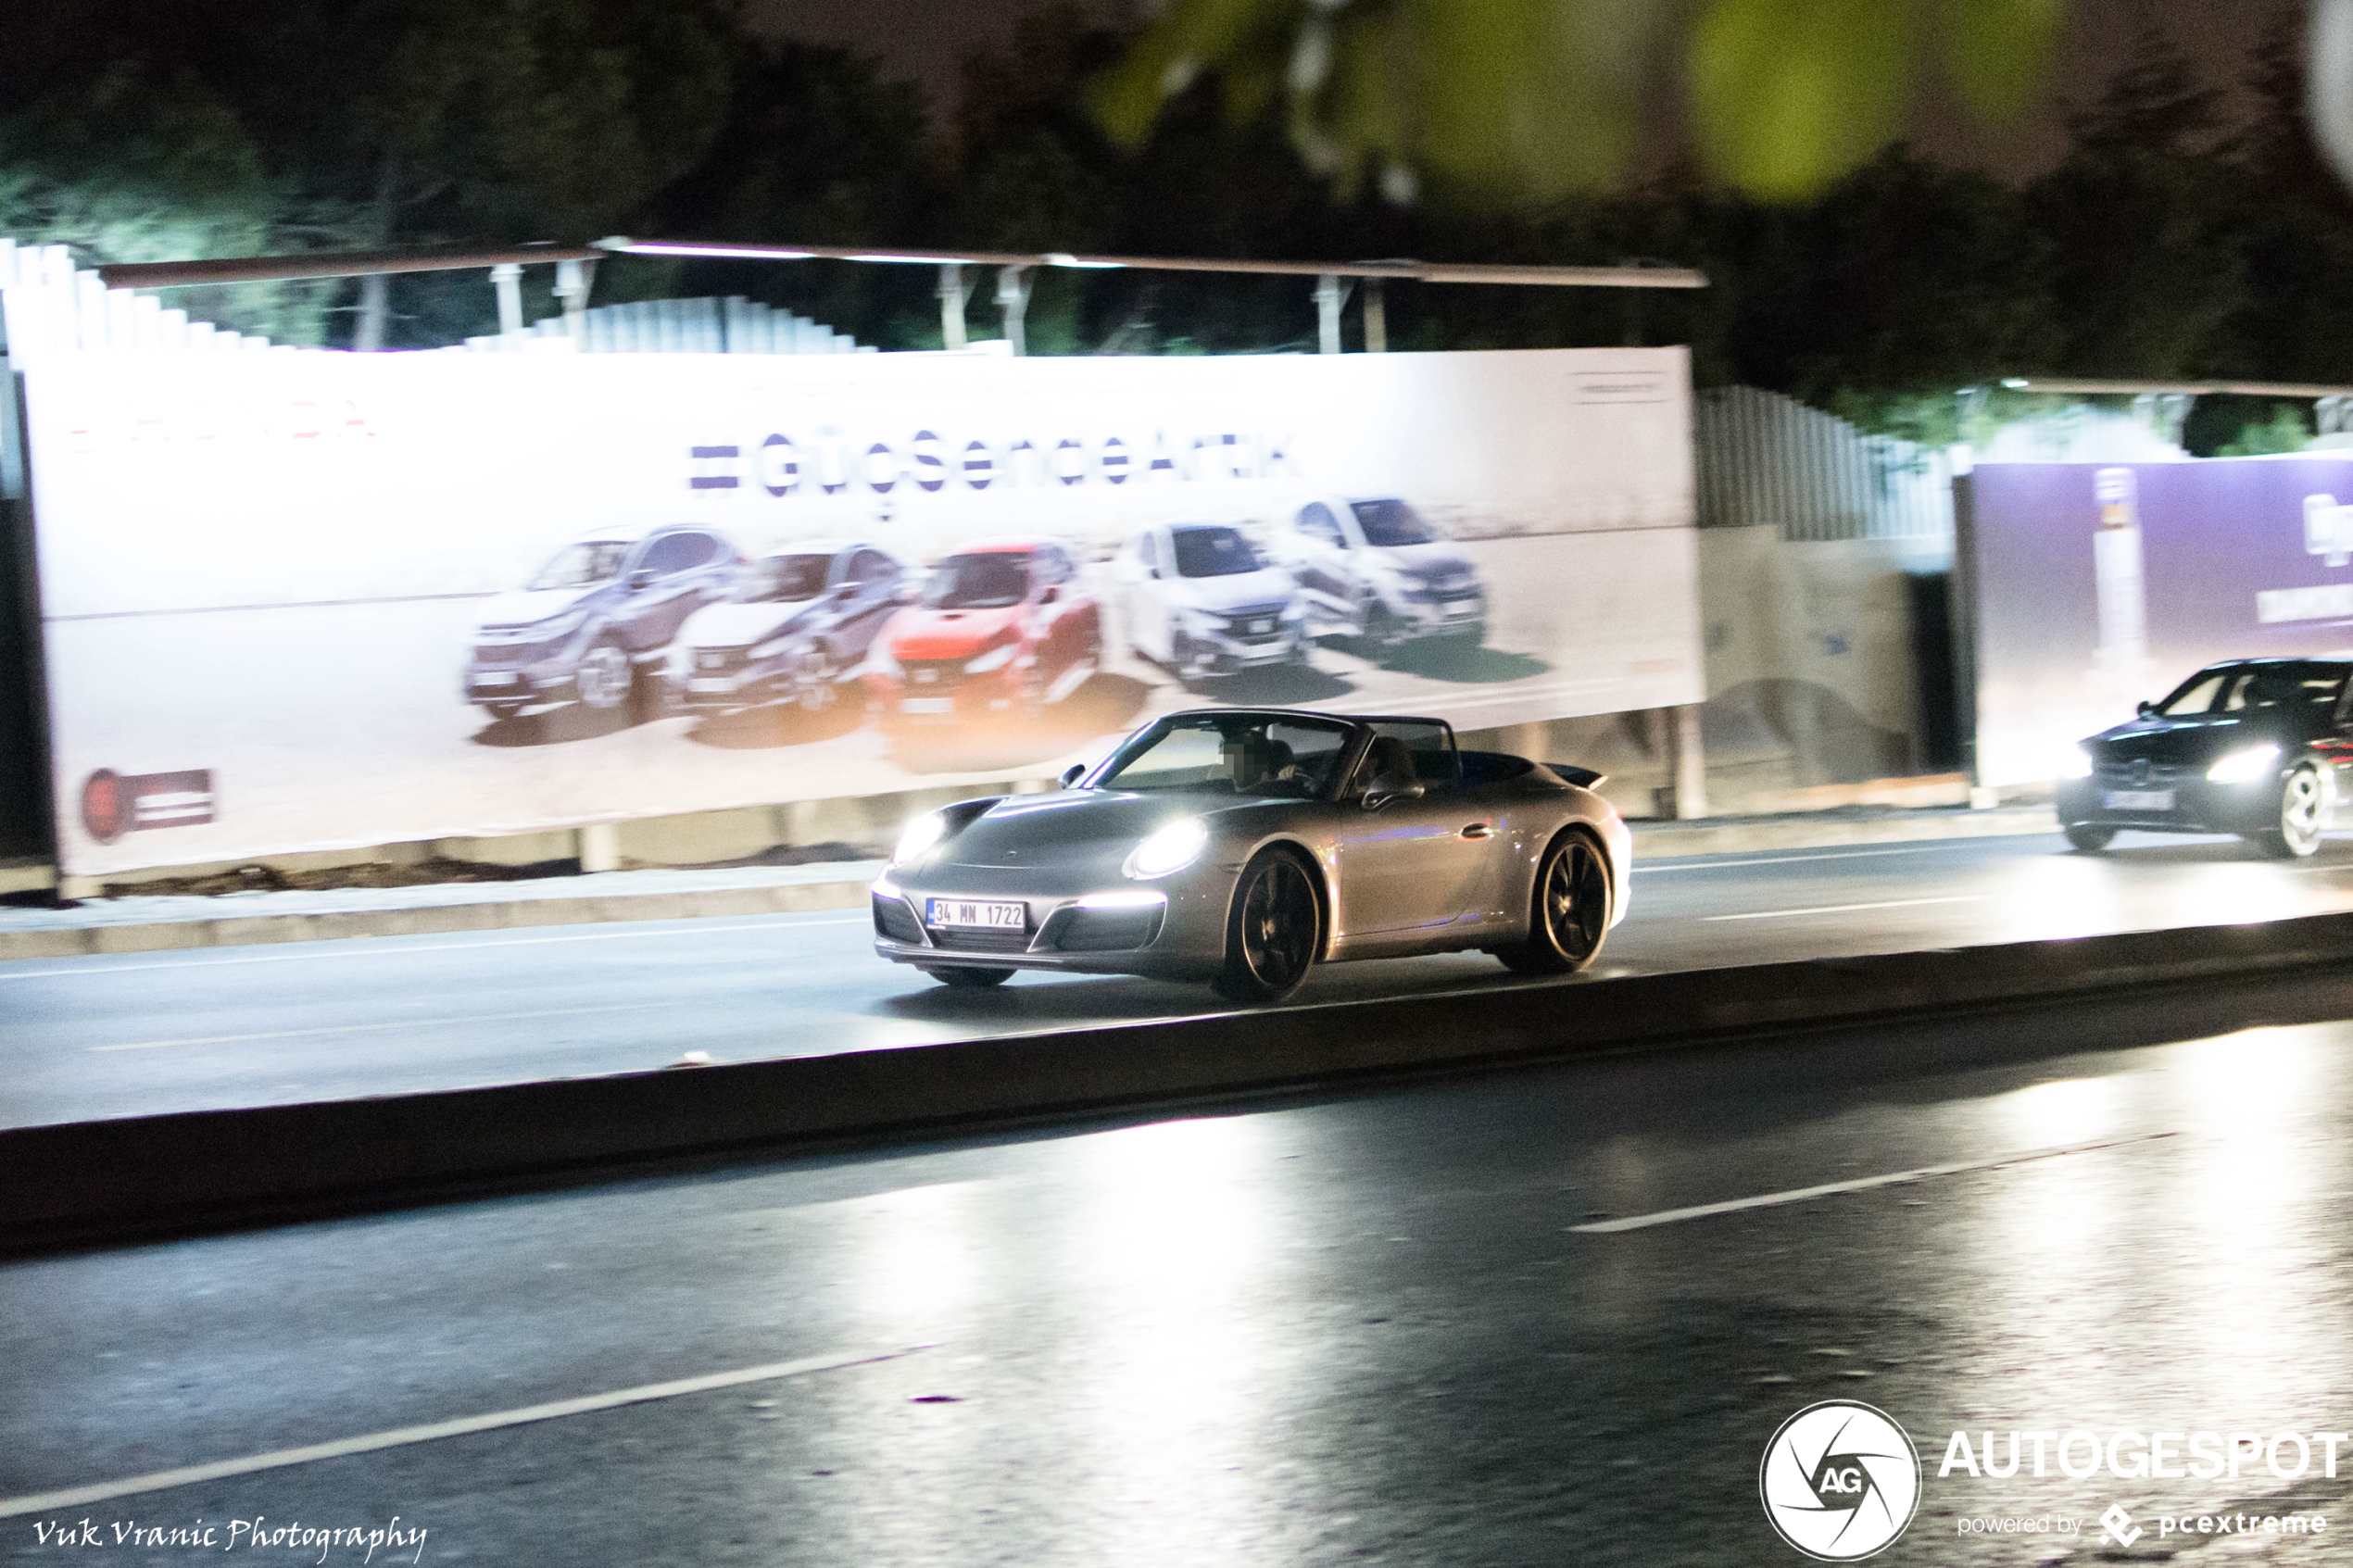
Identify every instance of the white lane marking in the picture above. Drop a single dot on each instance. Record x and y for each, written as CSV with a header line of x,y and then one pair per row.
x,y
1860,1184
368,948
377,1028
1843,908
41,1502
1796,860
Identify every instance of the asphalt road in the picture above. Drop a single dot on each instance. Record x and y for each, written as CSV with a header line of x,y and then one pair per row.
x,y
1360,1328
138,1034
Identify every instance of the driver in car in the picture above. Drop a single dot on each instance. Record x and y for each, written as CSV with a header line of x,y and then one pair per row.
x,y
1255,761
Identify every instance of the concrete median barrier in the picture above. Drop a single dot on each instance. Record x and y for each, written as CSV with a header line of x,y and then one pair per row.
x,y
101,1181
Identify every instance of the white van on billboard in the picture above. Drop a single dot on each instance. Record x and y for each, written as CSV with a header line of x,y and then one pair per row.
x,y
350,589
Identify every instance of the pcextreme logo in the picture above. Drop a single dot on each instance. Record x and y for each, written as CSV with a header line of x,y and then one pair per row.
x,y
1840,1481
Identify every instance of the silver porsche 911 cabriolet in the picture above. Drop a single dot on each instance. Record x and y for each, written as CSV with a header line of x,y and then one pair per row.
x,y
1243,845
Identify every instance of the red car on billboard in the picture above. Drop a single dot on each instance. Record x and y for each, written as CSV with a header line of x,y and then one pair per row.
x,y
1001,626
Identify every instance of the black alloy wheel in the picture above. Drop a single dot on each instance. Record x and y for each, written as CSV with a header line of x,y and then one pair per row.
x,y
1571,917
2303,805
965,978
1270,937
2090,837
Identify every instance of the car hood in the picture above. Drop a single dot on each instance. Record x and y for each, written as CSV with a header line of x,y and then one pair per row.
x,y
2193,740
1077,827
1435,562
1240,591
949,634
528,607
736,625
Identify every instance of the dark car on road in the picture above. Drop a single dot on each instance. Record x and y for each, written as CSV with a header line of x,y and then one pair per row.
x,y
796,629
2249,746
595,623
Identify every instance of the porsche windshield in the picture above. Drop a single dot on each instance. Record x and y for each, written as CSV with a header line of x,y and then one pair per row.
x,y
583,565
2235,689
1390,524
1232,754
983,582
1213,552
784,578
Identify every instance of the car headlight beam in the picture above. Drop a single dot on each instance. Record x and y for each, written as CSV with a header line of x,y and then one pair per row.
x,y
918,837
1169,849
2243,767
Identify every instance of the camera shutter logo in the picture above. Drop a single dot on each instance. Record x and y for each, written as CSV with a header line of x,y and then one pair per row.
x,y
1840,1481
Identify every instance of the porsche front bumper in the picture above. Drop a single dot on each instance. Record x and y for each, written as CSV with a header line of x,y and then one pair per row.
x,y
1172,929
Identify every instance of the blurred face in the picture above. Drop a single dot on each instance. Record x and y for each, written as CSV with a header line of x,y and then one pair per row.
x,y
1248,758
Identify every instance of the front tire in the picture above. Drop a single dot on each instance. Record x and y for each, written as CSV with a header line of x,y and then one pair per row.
x,y
965,978
1570,918
1271,935
2303,804
813,686
605,677
2090,839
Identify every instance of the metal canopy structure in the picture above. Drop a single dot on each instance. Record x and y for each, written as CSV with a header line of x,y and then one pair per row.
x,y
2165,405
1334,281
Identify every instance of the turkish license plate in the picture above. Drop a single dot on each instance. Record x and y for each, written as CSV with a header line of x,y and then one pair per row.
x,y
1462,606
971,913
2138,800
711,683
927,705
498,678
1260,628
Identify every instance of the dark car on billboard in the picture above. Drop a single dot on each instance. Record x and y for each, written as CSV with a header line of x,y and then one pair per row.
x,y
2251,746
1001,626
796,629
594,624
1374,568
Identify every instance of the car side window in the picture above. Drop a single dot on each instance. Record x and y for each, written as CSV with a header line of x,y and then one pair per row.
x,y
870,566
1431,746
1148,550
1316,522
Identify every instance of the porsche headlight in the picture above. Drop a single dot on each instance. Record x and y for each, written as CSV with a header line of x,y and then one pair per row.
x,y
918,837
1171,848
2242,767
995,659
2076,764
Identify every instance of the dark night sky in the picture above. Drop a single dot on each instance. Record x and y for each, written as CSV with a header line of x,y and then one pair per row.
x,y
923,40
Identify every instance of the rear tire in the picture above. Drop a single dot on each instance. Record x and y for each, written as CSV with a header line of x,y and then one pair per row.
x,y
2090,839
965,978
1571,918
1271,935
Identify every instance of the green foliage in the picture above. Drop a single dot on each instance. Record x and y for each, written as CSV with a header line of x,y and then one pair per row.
x,y
2286,430
1505,103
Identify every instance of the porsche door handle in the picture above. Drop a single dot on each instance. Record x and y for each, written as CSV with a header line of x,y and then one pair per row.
x,y
1479,830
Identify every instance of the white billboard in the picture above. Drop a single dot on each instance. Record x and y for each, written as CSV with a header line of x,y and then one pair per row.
x,y
305,600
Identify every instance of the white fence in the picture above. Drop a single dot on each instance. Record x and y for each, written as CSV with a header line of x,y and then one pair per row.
x,y
47,303
1763,458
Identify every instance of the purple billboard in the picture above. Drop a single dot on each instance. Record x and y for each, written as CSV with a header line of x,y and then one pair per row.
x,y
2096,586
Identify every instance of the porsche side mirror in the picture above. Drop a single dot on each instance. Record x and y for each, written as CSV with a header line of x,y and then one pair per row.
x,y
1073,774
1388,787
641,578
1049,595
2145,710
